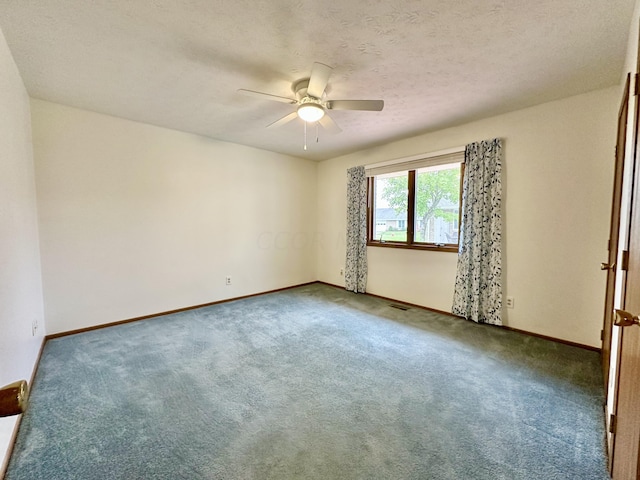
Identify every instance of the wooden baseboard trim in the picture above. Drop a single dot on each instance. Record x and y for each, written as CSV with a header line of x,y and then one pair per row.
x,y
16,428
414,305
35,368
12,443
184,309
554,339
168,312
524,332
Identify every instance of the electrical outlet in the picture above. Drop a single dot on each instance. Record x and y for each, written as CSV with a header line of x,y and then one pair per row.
x,y
510,302
342,272
228,279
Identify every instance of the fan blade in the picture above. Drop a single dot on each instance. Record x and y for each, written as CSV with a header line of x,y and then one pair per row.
x,y
370,105
267,96
329,125
319,78
286,119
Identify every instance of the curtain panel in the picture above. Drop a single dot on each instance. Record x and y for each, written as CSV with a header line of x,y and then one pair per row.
x,y
355,275
478,288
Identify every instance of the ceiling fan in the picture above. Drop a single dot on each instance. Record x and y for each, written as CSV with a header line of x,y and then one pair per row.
x,y
312,104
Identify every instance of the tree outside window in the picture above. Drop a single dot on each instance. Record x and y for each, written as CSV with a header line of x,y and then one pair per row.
x,y
433,192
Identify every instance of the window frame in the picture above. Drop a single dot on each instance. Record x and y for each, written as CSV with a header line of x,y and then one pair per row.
x,y
411,197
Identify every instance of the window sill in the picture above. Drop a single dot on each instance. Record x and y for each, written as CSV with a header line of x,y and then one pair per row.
x,y
415,246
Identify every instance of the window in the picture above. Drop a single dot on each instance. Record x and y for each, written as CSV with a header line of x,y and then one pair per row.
x,y
416,204
391,224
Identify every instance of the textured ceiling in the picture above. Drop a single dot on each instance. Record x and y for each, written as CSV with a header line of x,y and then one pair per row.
x,y
435,63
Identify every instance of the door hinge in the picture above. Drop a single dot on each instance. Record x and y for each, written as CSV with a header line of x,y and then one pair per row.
x,y
624,264
635,84
612,423
601,335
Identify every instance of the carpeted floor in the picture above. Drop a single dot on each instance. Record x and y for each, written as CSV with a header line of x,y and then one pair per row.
x,y
311,383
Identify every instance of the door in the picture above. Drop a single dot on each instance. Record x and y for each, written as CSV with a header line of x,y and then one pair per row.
x,y
626,440
610,355
614,232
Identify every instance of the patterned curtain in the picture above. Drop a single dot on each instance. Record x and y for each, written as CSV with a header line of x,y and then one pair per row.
x,y
478,290
355,275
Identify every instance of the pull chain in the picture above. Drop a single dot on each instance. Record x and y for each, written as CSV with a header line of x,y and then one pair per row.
x,y
305,135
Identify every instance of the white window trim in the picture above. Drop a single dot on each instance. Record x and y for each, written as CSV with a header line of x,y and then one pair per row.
x,y
440,157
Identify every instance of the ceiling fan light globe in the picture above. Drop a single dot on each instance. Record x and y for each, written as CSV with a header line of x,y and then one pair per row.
x,y
310,112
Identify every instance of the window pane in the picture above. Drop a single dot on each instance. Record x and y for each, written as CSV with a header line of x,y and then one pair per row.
x,y
437,204
390,213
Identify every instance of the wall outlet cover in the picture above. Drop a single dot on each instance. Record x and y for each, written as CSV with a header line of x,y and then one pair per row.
x,y
510,302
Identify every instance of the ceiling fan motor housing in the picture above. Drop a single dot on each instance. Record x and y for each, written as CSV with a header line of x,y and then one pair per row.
x,y
311,100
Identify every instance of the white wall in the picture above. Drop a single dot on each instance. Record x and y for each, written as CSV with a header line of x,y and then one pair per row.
x,y
632,43
557,181
20,283
137,219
